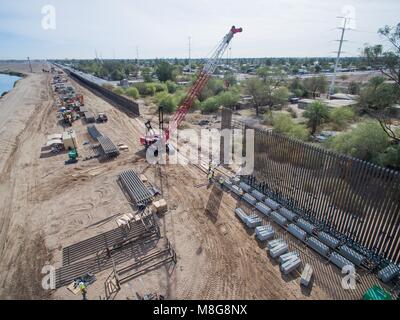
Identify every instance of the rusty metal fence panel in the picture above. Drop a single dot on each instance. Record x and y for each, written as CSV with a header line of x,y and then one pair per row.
x,y
356,201
112,97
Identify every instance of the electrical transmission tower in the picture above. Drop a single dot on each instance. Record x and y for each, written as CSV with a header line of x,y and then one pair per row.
x,y
30,65
343,28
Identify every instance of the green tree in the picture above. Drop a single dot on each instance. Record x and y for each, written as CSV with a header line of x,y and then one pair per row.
x,y
146,74
388,61
228,99
210,105
317,113
257,89
165,71
280,96
132,92
297,87
213,88
376,100
117,75
230,79
167,103
272,75
389,64
316,85
340,117
366,142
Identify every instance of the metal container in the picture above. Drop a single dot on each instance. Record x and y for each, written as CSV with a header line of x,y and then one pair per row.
x,y
306,226
328,240
297,232
340,261
258,195
245,187
278,218
290,266
272,204
278,250
263,208
250,199
287,214
318,246
353,256
389,272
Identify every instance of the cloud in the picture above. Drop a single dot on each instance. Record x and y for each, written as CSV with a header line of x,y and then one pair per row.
x,y
161,28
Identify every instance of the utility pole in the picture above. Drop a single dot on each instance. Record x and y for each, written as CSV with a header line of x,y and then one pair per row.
x,y
332,87
30,65
190,54
137,54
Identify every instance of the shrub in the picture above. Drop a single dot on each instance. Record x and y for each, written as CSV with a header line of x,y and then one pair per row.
x,y
119,91
160,87
132,92
167,103
210,105
299,131
108,86
292,113
159,96
367,141
391,157
340,117
141,87
284,124
228,99
171,86
150,89
353,88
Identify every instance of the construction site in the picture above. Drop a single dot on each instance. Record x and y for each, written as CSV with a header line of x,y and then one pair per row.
x,y
82,205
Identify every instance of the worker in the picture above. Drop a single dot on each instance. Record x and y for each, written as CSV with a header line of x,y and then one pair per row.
x,y
210,176
221,181
209,167
83,288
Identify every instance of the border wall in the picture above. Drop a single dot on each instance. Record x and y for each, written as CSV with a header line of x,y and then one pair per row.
x,y
115,99
354,200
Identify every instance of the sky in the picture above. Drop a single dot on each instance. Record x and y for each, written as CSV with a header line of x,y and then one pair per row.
x,y
161,28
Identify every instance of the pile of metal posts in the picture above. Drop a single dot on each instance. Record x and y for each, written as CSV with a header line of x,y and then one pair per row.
x,y
98,253
109,148
134,186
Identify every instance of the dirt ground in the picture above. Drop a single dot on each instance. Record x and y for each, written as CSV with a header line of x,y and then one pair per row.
x,y
46,206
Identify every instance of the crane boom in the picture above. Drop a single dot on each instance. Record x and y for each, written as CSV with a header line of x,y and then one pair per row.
x,y
200,83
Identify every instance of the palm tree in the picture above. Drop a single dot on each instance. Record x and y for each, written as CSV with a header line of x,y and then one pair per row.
x,y
317,113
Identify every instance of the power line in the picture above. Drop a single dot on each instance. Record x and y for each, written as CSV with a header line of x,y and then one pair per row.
x,y
190,55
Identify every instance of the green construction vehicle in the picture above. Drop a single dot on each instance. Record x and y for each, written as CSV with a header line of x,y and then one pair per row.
x,y
73,155
377,293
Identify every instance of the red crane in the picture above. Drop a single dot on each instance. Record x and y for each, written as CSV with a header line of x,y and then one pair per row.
x,y
202,79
